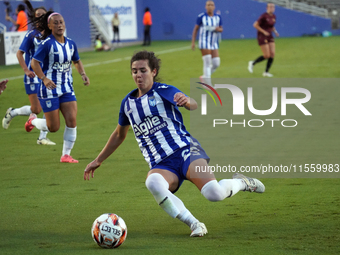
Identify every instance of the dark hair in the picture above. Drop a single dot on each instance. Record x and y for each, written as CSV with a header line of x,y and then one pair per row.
x,y
146,9
153,61
41,23
31,11
21,7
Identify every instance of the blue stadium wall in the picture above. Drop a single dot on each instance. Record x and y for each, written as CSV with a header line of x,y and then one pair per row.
x,y
175,19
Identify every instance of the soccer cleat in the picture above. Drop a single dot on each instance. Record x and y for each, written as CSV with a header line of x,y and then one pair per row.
x,y
250,66
253,185
68,159
7,119
45,141
198,229
266,74
28,125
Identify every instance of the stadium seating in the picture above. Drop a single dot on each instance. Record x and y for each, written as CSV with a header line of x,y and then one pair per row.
x,y
322,8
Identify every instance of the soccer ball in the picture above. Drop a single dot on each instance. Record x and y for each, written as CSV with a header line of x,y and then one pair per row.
x,y
109,230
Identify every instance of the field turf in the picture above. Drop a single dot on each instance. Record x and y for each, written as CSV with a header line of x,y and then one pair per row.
x,y
47,208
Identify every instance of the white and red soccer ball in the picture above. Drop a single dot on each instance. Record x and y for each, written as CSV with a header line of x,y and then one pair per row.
x,y
109,230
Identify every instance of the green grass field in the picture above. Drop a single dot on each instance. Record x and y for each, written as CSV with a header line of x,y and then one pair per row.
x,y
47,208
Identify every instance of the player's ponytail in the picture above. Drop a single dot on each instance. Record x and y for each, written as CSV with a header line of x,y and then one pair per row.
x,y
31,11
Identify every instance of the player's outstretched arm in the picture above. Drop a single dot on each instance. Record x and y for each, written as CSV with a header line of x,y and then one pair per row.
x,y
116,139
184,101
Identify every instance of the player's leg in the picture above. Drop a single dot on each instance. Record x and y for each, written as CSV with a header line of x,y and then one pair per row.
x,y
25,110
207,63
13,112
69,111
215,60
265,55
36,108
51,122
206,182
270,60
161,183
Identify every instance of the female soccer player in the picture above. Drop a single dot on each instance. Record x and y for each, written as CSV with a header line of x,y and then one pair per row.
x,y
28,47
265,27
152,111
209,24
56,54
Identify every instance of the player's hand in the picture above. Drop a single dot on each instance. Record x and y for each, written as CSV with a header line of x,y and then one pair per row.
x,y
266,33
86,80
49,84
180,99
193,46
219,29
30,74
90,168
3,86
276,33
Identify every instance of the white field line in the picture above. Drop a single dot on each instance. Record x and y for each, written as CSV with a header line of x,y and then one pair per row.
x,y
114,60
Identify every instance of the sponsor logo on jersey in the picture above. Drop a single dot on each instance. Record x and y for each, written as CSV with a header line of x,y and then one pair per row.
x,y
152,101
149,126
64,67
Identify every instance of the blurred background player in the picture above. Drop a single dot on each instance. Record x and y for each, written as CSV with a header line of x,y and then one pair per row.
x,y
56,91
3,86
21,20
168,148
99,45
209,25
115,27
28,47
265,26
147,22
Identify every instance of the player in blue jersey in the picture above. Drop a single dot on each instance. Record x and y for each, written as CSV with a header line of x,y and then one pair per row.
x,y
52,63
209,25
152,112
28,47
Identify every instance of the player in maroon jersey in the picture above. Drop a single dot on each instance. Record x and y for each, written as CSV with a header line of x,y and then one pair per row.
x,y
265,26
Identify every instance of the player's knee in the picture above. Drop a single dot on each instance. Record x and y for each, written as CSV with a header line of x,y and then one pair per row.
x,y
36,109
213,191
53,128
155,182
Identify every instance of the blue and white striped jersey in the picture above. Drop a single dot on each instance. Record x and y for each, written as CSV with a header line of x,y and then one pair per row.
x,y
30,45
208,38
56,60
156,122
